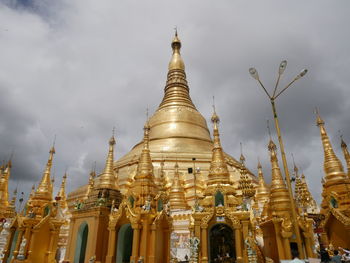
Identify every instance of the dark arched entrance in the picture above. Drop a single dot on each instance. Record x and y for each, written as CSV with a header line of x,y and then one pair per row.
x,y
221,244
80,248
124,244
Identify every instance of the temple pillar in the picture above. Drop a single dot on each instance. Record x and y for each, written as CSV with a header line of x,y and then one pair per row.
x,y
111,245
204,246
31,244
287,251
280,247
152,247
309,242
238,243
144,238
15,251
135,243
245,235
49,251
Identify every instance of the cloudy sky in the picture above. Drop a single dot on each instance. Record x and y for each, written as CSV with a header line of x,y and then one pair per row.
x,y
76,68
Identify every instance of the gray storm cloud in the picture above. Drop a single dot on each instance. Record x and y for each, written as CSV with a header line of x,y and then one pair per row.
x,y
78,68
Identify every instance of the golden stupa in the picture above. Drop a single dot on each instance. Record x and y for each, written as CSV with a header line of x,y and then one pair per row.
x,y
178,133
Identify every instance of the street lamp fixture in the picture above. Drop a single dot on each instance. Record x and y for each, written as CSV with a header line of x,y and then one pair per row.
x,y
254,73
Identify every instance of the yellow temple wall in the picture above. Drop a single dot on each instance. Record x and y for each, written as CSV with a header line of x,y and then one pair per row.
x,y
337,234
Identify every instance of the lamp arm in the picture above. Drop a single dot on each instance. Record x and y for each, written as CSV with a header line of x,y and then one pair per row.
x,y
268,95
279,93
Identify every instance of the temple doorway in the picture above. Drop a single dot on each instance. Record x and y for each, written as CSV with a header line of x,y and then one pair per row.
x,y
221,244
80,248
124,244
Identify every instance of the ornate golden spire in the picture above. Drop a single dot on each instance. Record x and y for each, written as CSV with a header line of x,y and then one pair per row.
x,y
144,185
44,190
176,61
162,179
145,167
262,191
107,178
14,198
32,192
218,172
177,192
245,183
279,197
91,184
346,154
4,180
176,89
305,199
332,166
62,192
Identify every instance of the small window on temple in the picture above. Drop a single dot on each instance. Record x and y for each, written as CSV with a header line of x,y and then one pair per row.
x,y
160,205
219,199
131,200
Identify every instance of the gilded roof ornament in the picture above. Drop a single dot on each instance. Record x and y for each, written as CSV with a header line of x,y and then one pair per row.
x,y
62,192
144,185
176,61
346,154
262,191
279,197
176,89
332,166
177,192
218,172
107,178
245,183
44,190
4,180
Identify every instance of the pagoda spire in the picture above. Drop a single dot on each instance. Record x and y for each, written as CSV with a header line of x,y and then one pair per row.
x,y
176,88
90,184
279,197
62,192
262,191
107,178
332,166
144,184
44,190
218,172
177,192
346,154
32,192
14,198
307,202
245,183
4,181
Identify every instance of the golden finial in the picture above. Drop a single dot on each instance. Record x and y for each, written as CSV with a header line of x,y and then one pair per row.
x,y
245,183
319,120
32,192
296,170
176,61
279,198
107,178
262,191
144,184
176,88
241,158
346,154
44,190
332,166
145,164
62,192
14,198
218,172
177,192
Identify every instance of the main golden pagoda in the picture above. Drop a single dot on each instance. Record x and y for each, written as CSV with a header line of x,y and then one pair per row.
x,y
176,196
